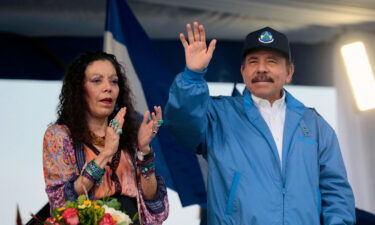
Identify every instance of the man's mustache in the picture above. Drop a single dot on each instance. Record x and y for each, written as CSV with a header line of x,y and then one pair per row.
x,y
262,78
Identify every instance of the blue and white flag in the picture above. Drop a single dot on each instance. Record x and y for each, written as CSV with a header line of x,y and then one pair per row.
x,y
150,81
235,91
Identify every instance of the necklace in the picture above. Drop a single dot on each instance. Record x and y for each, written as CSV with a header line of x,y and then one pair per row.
x,y
97,140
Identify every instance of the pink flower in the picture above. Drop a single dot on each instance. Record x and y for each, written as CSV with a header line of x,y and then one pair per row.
x,y
107,220
71,216
51,221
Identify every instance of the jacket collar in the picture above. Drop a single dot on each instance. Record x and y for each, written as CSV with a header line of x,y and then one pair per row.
x,y
291,103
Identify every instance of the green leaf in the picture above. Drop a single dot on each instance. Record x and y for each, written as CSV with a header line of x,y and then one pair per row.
x,y
99,202
135,217
81,199
70,204
122,223
113,203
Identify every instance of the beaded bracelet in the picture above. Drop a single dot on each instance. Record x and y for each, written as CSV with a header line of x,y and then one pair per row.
x,y
146,172
147,165
88,176
93,172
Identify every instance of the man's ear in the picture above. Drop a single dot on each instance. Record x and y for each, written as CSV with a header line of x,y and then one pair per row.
x,y
290,73
242,68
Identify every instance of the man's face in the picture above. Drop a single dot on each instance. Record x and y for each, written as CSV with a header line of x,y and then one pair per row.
x,y
265,72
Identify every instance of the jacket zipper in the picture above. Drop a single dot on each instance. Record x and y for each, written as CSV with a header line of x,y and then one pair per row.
x,y
283,191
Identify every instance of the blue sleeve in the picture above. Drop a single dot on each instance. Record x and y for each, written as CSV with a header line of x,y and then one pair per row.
x,y
186,109
69,190
338,205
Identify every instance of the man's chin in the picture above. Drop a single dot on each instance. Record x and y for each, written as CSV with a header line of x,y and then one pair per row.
x,y
261,95
261,92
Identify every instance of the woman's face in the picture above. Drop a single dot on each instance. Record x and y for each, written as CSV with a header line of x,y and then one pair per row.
x,y
101,88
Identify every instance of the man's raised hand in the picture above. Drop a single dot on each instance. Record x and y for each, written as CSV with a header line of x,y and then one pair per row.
x,y
197,55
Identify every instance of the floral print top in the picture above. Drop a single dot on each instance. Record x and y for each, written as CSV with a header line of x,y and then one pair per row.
x,y
62,164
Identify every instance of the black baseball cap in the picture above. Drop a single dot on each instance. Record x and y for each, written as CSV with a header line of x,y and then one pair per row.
x,y
267,38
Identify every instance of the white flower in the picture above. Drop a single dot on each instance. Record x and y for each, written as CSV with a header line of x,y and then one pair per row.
x,y
119,216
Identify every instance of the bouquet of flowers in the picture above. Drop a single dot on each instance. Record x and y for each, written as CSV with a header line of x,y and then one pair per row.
x,y
84,211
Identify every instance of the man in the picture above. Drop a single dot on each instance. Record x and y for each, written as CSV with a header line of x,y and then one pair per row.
x,y
271,160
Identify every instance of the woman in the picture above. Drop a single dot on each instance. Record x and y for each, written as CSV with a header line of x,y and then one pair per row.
x,y
98,145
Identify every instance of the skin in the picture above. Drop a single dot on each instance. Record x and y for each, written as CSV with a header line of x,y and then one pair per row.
x,y
265,72
268,67
101,82
197,55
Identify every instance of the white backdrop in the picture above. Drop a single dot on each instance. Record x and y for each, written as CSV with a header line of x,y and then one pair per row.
x,y
356,129
27,107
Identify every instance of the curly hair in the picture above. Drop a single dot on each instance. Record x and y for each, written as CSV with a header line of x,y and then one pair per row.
x,y
73,107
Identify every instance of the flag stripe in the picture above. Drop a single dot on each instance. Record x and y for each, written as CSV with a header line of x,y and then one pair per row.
x,y
177,165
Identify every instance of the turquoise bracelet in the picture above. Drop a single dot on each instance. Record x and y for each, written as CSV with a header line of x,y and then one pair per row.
x,y
94,170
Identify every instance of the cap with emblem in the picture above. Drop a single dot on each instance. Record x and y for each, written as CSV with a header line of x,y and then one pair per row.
x,y
267,38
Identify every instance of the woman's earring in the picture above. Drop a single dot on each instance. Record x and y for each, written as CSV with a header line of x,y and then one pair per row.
x,y
117,108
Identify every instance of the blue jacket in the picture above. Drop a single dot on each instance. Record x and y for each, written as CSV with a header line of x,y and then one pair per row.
x,y
246,184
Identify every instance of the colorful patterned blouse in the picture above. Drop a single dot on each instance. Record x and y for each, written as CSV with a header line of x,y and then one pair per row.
x,y
125,172
62,165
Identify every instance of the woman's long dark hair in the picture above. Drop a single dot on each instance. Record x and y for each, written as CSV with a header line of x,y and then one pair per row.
x,y
73,108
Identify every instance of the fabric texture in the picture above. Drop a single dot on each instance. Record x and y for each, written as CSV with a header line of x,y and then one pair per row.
x,y
62,164
246,184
